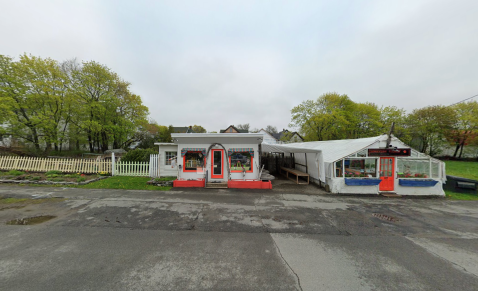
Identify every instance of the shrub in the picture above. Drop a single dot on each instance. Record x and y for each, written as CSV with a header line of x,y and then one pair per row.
x,y
35,178
81,179
54,172
138,155
15,173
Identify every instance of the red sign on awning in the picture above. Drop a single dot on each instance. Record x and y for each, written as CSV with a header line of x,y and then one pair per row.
x,y
389,152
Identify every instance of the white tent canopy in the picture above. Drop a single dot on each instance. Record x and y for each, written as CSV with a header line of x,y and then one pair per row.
x,y
330,151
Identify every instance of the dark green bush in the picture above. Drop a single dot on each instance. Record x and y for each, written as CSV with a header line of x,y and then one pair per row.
x,y
138,155
15,173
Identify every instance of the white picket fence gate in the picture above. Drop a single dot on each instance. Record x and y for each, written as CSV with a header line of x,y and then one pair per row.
x,y
141,169
154,166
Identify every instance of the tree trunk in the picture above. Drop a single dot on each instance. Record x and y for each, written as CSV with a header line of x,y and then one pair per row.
x,y
456,149
461,149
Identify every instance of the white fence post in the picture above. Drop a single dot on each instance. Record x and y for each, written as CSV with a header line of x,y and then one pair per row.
x,y
113,164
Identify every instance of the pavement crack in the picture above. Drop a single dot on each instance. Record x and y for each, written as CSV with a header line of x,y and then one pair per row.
x,y
283,259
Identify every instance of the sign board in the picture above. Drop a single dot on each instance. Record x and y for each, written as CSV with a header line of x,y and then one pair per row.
x,y
389,152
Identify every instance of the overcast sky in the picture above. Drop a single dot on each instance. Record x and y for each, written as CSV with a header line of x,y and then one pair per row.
x,y
216,63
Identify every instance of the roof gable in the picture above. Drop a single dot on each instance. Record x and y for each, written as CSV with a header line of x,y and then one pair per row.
x,y
233,129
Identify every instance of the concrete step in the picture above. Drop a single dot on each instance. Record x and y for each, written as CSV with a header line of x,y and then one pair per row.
x,y
391,195
217,185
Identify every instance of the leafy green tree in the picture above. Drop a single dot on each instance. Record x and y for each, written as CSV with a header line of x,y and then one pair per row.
x,y
199,129
429,126
138,155
47,103
366,120
466,127
329,117
109,111
392,114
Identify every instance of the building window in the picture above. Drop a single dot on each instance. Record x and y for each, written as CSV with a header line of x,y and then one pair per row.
x,y
414,168
360,167
168,157
241,161
193,161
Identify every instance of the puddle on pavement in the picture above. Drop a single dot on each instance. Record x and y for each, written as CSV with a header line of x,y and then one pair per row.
x,y
30,220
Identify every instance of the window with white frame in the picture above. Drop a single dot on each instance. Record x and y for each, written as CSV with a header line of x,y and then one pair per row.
x,y
168,156
360,167
414,168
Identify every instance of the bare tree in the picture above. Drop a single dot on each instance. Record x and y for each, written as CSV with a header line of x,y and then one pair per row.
x,y
244,126
271,129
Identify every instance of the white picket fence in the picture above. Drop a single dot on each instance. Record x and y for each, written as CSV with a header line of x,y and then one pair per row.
x,y
141,169
50,164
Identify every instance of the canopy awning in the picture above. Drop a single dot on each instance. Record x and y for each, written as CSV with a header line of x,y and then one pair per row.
x,y
240,150
185,150
287,148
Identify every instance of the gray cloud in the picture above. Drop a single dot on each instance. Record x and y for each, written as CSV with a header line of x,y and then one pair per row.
x,y
217,63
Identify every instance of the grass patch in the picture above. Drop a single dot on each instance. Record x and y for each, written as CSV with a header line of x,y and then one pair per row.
x,y
15,173
29,200
120,182
460,196
462,169
12,200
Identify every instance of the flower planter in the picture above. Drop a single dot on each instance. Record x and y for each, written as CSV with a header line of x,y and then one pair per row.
x,y
362,182
416,183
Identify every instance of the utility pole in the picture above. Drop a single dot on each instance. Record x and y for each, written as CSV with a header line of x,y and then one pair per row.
x,y
389,139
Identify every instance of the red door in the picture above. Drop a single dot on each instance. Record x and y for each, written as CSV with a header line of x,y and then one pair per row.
x,y
217,162
387,174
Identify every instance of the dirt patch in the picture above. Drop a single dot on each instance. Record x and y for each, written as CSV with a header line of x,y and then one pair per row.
x,y
30,220
281,184
38,177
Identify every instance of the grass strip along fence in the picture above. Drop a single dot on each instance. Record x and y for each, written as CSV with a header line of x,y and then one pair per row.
x,y
52,164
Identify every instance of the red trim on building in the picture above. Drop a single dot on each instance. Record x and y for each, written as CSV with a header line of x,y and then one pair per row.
x,y
240,184
221,176
189,183
192,171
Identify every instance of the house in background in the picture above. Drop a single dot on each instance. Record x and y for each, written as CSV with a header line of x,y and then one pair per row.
x,y
268,137
233,129
286,136
183,129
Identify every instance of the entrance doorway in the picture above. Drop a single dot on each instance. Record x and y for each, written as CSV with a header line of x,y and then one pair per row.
x,y
217,164
387,174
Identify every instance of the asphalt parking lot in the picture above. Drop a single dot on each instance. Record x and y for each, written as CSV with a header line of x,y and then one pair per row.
x,y
235,240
